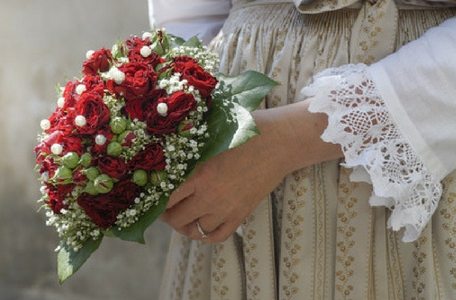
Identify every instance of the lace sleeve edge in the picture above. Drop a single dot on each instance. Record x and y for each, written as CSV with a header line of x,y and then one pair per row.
x,y
400,180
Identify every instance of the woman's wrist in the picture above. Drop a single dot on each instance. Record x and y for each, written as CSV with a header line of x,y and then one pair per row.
x,y
291,136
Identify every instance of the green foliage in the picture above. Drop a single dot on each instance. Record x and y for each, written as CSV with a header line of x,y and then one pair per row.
x,y
69,261
135,232
236,97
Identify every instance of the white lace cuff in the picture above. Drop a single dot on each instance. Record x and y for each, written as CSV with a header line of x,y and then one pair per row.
x,y
379,154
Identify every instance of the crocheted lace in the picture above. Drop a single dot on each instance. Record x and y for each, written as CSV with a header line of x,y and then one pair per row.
x,y
374,147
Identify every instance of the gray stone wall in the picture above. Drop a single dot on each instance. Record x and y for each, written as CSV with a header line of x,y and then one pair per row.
x,y
43,42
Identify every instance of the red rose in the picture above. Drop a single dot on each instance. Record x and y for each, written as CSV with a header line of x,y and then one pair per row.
x,y
94,84
103,209
100,61
48,165
137,43
57,196
140,80
61,121
70,95
112,166
179,105
195,75
126,190
92,107
134,46
151,158
69,143
137,109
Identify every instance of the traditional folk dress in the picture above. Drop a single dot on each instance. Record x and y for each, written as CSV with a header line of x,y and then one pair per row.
x,y
379,224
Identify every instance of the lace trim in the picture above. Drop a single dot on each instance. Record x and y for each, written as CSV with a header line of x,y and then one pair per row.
x,y
359,121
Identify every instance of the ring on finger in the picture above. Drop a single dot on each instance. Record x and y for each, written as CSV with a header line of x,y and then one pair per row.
x,y
201,230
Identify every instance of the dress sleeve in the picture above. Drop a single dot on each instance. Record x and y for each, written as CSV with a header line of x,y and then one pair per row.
x,y
202,18
396,123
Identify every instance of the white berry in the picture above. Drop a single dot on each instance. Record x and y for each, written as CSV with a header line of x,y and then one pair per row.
x,y
145,51
80,88
45,124
80,121
117,75
43,190
89,54
100,140
60,102
146,35
162,109
56,149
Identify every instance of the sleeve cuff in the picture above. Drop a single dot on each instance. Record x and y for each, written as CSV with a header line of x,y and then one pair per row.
x,y
374,146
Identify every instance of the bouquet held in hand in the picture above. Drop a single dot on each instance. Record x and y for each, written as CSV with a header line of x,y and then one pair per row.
x,y
129,131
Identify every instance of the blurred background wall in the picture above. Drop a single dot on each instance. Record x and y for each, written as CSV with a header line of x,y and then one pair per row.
x,y
43,43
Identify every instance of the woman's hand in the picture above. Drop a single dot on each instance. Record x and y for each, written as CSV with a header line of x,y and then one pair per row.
x,y
226,189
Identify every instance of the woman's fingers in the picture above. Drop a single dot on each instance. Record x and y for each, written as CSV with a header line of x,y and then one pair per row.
x,y
192,232
185,190
210,222
183,213
222,233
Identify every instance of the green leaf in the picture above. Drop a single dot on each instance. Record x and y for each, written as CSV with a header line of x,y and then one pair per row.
x,y
247,89
226,135
193,42
236,96
175,41
69,261
135,232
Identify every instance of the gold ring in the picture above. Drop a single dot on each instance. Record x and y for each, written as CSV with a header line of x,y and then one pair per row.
x,y
200,230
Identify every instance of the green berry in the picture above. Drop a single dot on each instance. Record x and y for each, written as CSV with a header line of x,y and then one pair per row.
x,y
114,149
86,160
103,184
156,177
92,173
63,175
140,177
90,189
71,160
118,125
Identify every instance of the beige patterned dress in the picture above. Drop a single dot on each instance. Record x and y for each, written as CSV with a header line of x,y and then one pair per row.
x,y
316,236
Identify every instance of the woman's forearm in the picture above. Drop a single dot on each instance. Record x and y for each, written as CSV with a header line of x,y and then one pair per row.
x,y
291,137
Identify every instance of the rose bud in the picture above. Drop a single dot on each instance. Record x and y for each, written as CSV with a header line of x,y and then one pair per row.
x,y
92,173
140,177
114,149
126,138
103,184
156,177
63,175
184,128
86,160
90,189
118,125
79,177
71,160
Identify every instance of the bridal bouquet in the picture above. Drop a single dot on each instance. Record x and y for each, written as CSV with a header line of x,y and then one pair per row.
x,y
129,131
